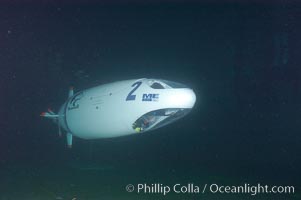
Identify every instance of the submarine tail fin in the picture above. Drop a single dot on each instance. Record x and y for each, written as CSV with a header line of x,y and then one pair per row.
x,y
71,92
69,139
55,117
49,114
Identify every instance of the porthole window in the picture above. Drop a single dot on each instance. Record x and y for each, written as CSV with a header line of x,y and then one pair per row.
x,y
157,85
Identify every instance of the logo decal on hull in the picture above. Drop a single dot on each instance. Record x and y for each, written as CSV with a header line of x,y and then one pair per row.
x,y
73,104
150,97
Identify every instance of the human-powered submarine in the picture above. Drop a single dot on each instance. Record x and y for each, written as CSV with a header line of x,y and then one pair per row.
x,y
122,108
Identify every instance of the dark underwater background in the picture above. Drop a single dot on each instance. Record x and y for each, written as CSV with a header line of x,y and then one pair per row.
x,y
242,59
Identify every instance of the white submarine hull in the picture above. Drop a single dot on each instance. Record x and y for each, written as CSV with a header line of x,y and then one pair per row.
x,y
123,108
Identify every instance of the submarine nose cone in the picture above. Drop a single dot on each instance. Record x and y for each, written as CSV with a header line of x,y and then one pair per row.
x,y
190,98
183,98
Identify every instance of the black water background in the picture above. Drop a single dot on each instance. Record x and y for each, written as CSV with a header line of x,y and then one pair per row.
x,y
242,60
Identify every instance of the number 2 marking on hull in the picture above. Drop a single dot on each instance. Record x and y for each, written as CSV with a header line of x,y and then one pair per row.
x,y
131,96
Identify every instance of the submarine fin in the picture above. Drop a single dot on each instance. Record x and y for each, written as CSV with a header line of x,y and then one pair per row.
x,y
59,127
49,114
71,92
50,111
55,118
69,139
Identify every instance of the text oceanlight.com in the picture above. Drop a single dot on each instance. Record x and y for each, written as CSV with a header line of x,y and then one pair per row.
x,y
191,188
